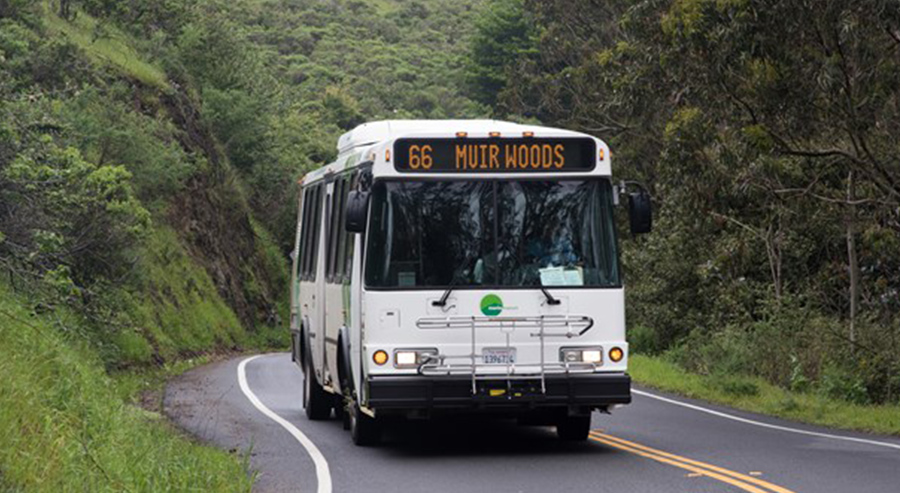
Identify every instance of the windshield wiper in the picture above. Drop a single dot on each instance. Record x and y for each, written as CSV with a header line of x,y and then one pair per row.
x,y
550,299
456,278
443,301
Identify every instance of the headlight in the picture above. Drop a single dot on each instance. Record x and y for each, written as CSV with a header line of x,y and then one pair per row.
x,y
405,358
592,355
411,358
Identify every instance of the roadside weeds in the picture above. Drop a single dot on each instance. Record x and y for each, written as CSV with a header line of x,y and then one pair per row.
x,y
758,396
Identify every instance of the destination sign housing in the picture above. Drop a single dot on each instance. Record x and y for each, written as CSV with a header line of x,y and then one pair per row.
x,y
480,155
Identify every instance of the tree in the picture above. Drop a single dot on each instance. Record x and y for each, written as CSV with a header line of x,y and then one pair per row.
x,y
766,130
502,36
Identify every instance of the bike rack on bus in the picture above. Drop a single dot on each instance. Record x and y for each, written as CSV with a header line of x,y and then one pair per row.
x,y
542,327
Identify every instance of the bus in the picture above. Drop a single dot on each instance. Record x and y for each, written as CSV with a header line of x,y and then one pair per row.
x,y
462,266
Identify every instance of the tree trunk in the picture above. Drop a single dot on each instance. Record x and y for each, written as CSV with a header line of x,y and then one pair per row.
x,y
65,9
852,261
773,251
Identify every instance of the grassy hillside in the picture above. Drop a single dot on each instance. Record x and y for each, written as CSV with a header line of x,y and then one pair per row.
x,y
65,428
103,44
126,245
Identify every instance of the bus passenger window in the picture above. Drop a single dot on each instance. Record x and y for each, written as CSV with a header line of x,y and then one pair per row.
x,y
316,223
333,217
305,233
340,244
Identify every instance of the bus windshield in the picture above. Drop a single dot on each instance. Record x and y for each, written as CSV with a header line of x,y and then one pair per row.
x,y
499,234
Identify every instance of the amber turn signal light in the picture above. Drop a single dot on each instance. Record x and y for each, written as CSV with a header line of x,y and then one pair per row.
x,y
616,354
380,357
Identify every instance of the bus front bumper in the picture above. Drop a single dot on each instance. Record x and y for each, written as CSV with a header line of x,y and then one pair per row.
x,y
595,390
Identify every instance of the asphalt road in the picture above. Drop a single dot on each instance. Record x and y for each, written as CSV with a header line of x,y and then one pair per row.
x,y
650,446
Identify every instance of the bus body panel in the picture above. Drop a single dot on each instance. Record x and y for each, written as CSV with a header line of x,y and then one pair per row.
x,y
356,328
392,315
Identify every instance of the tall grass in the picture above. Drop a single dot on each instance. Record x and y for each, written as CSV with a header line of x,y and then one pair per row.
x,y
105,45
66,428
756,395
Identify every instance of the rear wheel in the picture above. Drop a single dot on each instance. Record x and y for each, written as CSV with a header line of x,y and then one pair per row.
x,y
364,429
316,401
574,428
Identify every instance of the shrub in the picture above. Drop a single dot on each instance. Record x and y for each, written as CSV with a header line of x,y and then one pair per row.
x,y
56,209
841,383
737,385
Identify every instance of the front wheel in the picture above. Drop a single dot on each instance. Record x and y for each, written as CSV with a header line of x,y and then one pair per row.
x,y
316,401
574,428
364,429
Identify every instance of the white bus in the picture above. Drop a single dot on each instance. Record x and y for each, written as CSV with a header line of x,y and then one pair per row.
x,y
461,266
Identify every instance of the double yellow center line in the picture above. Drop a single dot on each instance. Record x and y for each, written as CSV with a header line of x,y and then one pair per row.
x,y
742,481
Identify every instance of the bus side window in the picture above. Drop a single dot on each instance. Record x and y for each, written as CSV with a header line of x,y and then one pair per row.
x,y
310,238
334,215
316,219
341,236
304,235
329,231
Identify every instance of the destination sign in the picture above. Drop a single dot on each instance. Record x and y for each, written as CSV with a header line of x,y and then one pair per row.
x,y
494,155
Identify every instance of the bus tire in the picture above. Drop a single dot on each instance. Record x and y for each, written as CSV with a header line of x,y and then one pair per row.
x,y
345,398
316,401
364,429
574,428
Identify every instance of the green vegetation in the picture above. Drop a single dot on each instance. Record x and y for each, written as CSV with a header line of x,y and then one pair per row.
x,y
757,395
149,152
105,44
766,132
65,428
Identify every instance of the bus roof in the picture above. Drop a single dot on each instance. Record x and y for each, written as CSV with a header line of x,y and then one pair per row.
x,y
353,144
380,131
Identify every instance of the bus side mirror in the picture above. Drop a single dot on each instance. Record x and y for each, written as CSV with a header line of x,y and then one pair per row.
x,y
357,211
640,212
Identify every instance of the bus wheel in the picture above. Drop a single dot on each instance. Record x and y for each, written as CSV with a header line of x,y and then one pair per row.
x,y
364,429
316,401
574,428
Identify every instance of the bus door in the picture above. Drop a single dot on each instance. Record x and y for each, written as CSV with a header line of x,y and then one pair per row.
x,y
318,344
335,261
311,309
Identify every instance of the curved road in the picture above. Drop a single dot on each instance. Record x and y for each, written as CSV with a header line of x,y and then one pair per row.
x,y
653,445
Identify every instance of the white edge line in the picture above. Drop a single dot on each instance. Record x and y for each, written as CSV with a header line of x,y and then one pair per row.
x,y
765,425
323,473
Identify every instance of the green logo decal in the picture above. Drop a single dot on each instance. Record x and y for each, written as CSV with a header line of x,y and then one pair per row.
x,y
491,305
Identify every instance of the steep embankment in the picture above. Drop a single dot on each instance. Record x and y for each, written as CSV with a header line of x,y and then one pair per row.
x,y
66,428
126,243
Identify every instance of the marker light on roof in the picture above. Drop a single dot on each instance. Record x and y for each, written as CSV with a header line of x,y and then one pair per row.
x,y
527,134
387,155
494,134
461,135
602,154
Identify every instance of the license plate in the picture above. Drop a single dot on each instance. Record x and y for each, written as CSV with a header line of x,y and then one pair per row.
x,y
498,356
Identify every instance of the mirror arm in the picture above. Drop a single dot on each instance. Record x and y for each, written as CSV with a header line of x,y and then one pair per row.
x,y
622,188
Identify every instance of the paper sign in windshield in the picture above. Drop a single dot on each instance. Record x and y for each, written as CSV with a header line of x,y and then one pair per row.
x,y
560,276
